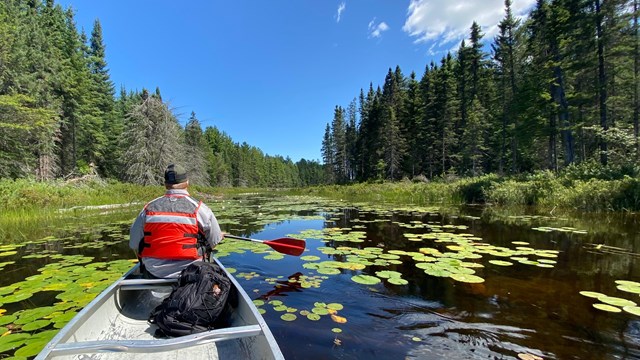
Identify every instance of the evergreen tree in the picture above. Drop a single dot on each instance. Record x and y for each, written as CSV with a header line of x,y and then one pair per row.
x,y
99,120
352,141
328,154
339,143
393,144
504,55
196,151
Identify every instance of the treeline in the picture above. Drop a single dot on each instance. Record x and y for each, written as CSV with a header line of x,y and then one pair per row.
x,y
60,116
555,91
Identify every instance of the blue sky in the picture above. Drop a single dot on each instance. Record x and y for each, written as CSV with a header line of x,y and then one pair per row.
x,y
270,73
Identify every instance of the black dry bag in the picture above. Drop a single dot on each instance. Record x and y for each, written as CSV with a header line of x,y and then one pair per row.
x,y
199,303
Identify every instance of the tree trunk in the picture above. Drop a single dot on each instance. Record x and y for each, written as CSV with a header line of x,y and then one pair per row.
x,y
602,83
558,94
636,66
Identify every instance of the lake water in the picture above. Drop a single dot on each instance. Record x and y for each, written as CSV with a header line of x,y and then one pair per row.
x,y
460,283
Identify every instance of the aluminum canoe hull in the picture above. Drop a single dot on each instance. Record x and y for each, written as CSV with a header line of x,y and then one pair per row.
x,y
115,326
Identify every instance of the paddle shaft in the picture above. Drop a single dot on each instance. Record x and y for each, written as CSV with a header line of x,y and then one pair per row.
x,y
289,246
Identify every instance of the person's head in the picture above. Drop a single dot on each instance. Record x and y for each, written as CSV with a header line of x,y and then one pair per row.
x,y
175,177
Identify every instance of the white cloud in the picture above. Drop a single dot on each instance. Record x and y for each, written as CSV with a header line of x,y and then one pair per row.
x,y
446,22
376,30
341,8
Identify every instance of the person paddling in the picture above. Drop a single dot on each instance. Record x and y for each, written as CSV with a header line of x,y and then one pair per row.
x,y
174,230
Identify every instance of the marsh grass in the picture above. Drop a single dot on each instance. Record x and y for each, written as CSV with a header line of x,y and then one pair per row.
x,y
542,189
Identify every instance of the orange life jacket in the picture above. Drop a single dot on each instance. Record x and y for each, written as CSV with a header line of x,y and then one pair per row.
x,y
171,235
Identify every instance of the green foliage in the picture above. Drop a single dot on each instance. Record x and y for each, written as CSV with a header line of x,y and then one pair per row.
x,y
59,117
562,89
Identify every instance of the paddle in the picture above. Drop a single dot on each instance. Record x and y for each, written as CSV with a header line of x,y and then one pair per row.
x,y
289,246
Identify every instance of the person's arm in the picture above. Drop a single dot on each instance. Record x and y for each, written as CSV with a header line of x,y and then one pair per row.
x,y
210,226
136,233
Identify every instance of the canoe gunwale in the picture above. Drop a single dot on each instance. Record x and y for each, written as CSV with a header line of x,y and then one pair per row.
x,y
159,345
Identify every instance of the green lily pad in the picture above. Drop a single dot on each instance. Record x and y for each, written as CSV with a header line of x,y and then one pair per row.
x,y
627,283
500,262
387,274
635,310
13,341
310,258
397,281
629,289
32,348
35,325
466,278
365,279
313,317
320,311
274,256
608,308
7,319
616,301
328,271
336,330
592,294
17,297
288,317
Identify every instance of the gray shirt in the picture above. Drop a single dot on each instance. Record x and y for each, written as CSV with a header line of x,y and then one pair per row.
x,y
164,268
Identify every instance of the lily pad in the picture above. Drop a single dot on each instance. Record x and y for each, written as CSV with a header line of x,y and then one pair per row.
x,y
365,279
615,301
466,278
629,289
592,294
310,258
35,325
608,308
500,262
387,274
397,281
13,341
320,311
635,310
328,271
288,317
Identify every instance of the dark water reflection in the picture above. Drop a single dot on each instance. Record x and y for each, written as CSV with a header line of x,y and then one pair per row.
x,y
520,309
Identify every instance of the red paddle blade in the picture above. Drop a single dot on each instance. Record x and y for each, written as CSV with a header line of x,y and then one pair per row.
x,y
289,246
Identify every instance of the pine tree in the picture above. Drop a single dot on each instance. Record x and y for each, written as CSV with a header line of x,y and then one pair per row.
x,y
339,143
100,119
352,141
393,144
196,151
328,155
504,55
414,131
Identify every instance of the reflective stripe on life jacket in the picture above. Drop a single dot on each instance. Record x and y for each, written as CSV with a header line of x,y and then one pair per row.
x,y
170,235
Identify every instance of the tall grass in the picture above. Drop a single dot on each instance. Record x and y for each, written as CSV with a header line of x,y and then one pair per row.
x,y
542,189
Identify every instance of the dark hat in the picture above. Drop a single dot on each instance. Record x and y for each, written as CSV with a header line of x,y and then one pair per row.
x,y
175,174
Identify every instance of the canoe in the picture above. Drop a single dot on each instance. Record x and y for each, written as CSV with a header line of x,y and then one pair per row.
x,y
114,326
